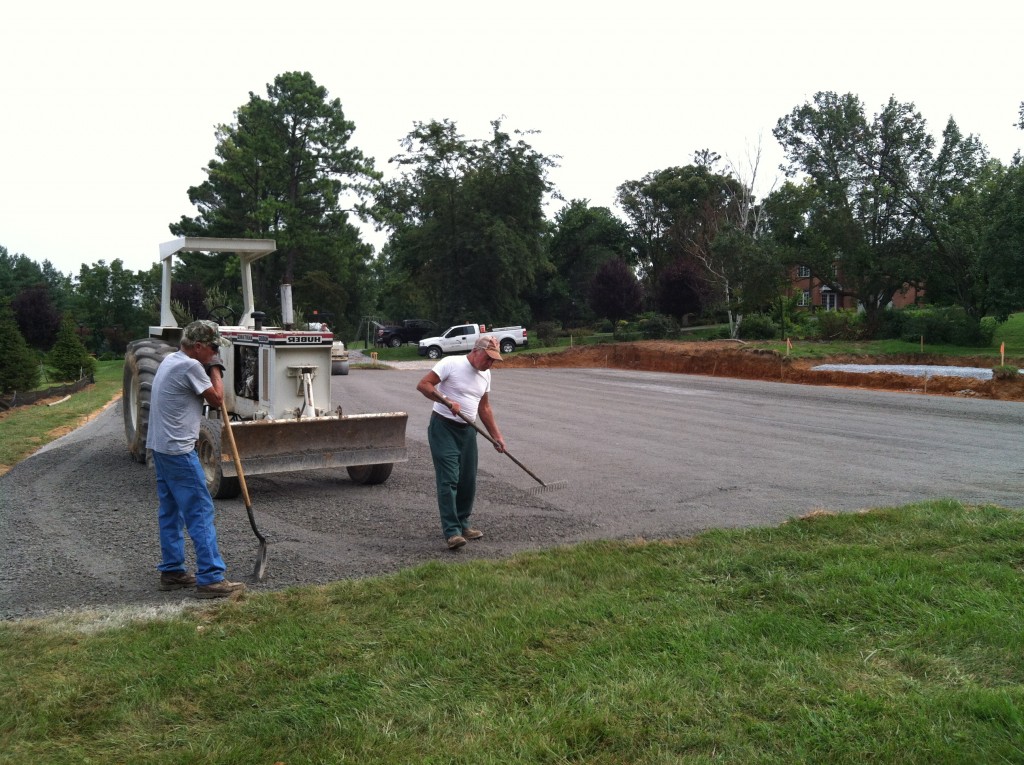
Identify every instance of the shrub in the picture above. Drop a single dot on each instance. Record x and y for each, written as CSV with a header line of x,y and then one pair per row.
x,y
657,326
938,325
547,333
758,326
840,325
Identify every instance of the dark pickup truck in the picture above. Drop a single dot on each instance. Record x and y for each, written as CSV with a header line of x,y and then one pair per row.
x,y
409,331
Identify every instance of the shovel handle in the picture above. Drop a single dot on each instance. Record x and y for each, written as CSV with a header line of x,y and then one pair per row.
x,y
238,467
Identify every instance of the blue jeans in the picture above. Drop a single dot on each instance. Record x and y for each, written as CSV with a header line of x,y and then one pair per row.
x,y
453,449
185,503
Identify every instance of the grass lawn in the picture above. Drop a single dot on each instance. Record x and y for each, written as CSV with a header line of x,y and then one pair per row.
x,y
890,636
1010,332
27,428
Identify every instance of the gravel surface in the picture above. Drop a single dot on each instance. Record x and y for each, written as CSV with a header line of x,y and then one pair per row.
x,y
645,454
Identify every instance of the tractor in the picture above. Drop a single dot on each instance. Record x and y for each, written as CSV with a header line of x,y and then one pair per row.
x,y
277,390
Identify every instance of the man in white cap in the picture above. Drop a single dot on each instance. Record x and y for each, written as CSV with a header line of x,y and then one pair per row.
x,y
183,382
459,384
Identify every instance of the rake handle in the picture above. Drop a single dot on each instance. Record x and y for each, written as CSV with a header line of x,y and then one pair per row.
x,y
506,452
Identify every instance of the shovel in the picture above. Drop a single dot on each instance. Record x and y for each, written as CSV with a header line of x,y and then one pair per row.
x,y
537,490
261,554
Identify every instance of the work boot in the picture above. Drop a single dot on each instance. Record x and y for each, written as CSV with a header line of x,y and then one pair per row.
x,y
456,542
176,580
472,533
221,589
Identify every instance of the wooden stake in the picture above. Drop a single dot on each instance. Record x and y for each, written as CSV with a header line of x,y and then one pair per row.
x,y
1002,353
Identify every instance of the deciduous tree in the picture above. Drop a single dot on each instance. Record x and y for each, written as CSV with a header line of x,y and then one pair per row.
x,y
583,239
880,204
615,292
467,222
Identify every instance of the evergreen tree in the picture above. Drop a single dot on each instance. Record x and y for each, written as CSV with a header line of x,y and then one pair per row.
x,y
19,369
68,358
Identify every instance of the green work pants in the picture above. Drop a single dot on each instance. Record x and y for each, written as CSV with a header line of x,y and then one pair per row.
x,y
453,449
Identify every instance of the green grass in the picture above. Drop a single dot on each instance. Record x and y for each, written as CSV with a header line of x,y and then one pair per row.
x,y
25,429
890,636
1011,332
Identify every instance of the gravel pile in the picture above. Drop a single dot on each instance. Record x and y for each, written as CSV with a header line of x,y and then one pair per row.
x,y
911,370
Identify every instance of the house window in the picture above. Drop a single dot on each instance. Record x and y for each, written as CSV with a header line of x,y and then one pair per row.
x,y
803,272
805,299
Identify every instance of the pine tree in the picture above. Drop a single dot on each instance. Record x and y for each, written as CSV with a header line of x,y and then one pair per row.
x,y
19,368
68,358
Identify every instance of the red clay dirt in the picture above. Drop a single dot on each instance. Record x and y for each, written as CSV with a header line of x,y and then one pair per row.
x,y
724,359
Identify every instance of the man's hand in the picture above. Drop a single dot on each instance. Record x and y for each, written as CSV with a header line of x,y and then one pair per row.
x,y
215,361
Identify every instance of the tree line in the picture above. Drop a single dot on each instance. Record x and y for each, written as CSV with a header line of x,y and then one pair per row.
x,y
871,205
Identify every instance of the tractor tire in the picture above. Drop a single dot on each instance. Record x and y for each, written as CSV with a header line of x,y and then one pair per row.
x,y
370,475
208,449
141,361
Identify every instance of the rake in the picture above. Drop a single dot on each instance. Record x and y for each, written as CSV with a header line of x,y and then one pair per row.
x,y
552,486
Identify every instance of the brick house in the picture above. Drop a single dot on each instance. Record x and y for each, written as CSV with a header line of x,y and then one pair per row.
x,y
815,295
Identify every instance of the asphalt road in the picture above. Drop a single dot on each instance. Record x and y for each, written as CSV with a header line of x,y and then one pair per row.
x,y
644,454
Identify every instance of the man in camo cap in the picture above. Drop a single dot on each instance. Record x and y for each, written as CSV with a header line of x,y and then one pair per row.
x,y
184,381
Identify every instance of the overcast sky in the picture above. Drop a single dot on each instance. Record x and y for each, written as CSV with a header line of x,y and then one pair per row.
x,y
109,107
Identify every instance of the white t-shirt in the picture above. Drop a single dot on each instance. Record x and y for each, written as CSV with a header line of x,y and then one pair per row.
x,y
461,382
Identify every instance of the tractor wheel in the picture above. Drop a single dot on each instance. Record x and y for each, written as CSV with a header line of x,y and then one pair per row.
x,y
208,449
141,361
370,475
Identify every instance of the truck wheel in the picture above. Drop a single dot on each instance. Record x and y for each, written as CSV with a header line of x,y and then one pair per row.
x,y
141,361
507,346
395,342
370,475
433,352
208,449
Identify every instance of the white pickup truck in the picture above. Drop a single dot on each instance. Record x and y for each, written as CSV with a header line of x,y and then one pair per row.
x,y
461,337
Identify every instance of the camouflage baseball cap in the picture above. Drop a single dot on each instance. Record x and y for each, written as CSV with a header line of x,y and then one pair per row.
x,y
488,345
204,332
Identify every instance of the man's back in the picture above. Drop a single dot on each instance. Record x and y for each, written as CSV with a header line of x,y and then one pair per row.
x,y
176,406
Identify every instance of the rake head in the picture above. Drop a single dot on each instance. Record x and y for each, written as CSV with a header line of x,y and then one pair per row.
x,y
553,486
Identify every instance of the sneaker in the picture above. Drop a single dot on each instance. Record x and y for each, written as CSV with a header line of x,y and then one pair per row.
x,y
472,533
221,589
176,580
456,542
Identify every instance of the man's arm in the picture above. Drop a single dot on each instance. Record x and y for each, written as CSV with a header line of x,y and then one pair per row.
x,y
428,387
486,415
214,395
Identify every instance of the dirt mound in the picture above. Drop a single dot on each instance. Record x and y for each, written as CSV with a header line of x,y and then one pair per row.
x,y
727,359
